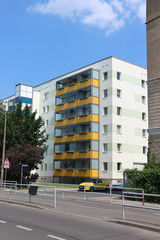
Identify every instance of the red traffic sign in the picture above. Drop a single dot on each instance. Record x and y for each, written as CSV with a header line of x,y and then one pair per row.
x,y
6,162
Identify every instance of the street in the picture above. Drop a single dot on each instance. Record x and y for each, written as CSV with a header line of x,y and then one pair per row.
x,y
64,223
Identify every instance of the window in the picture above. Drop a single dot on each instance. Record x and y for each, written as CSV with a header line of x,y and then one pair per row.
x,y
46,95
119,166
105,93
143,100
105,166
44,109
47,122
118,76
118,93
144,150
47,108
144,132
143,84
119,111
105,128
105,147
143,116
105,110
119,147
45,167
119,129
105,74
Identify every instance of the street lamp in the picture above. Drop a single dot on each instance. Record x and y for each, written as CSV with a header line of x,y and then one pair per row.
x,y
4,148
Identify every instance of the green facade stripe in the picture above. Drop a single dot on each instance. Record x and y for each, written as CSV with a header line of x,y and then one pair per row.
x,y
138,98
126,112
127,78
128,148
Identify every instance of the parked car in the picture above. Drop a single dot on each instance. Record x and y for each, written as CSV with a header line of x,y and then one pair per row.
x,y
94,184
117,188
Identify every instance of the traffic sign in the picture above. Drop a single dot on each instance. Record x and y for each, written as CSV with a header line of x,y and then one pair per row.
x,y
24,165
6,162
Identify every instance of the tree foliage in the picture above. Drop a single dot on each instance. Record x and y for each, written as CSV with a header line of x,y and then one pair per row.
x,y
23,130
24,154
148,178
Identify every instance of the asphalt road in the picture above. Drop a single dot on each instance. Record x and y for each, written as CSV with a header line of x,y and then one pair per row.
x,y
64,223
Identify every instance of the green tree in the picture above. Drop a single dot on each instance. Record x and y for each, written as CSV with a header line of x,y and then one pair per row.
x,y
148,178
23,127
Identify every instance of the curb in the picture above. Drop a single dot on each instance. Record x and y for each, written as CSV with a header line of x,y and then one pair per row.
x,y
136,225
23,204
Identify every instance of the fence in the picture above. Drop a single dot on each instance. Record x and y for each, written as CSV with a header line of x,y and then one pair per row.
x,y
136,196
22,193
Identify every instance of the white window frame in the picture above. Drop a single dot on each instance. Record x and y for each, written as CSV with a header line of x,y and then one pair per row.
x,y
106,93
119,75
119,111
105,75
105,164
119,93
105,144
144,150
104,111
143,83
119,168
119,147
105,126
143,100
144,133
143,116
119,129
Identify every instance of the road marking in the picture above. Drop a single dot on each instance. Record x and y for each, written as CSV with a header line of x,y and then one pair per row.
x,y
52,236
24,228
1,221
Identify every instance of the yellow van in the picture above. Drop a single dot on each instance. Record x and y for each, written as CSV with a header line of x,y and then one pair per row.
x,y
94,184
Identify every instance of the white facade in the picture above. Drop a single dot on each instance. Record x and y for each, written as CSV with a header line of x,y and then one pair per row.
x,y
123,118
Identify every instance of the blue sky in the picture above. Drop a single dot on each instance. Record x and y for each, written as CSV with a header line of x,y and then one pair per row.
x,y
43,39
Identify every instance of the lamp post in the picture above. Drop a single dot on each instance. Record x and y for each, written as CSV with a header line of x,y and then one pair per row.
x,y
4,148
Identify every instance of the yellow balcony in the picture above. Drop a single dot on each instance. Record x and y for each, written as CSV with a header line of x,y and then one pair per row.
x,y
89,154
65,139
65,155
76,155
75,173
77,137
65,122
88,100
76,103
87,136
66,90
88,118
89,82
66,106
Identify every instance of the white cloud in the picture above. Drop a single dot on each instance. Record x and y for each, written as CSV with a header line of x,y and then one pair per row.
x,y
109,15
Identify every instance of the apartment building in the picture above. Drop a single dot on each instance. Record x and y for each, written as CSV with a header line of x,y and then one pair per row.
x,y
97,121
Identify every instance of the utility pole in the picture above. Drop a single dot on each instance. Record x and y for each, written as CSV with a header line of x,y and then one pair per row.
x,y
4,148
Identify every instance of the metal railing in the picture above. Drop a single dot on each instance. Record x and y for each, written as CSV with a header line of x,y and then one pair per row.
x,y
18,189
136,196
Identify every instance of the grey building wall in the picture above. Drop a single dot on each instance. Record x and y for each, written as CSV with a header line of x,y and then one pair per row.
x,y
153,66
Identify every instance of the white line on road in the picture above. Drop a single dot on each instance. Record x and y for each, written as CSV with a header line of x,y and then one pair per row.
x,y
1,221
52,236
24,228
